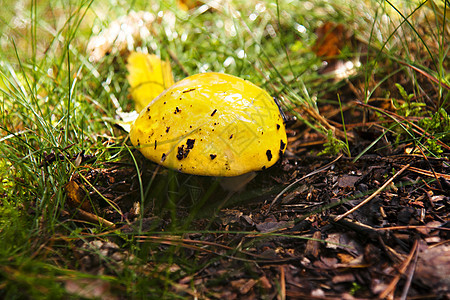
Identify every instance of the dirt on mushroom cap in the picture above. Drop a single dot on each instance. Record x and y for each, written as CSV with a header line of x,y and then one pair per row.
x,y
211,124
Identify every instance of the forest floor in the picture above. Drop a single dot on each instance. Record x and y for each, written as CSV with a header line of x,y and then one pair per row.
x,y
358,207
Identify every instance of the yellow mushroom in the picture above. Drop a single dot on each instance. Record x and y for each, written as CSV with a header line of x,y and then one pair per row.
x,y
211,124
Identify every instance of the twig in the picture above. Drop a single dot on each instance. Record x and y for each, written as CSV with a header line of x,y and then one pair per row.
x,y
434,79
191,244
87,216
373,195
416,128
409,276
275,200
428,173
412,227
431,167
282,284
391,287
357,226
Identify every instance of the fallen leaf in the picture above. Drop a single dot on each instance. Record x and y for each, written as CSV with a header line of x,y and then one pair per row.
x,y
76,197
230,216
330,40
347,180
148,76
265,283
247,286
345,258
313,246
433,268
270,226
347,277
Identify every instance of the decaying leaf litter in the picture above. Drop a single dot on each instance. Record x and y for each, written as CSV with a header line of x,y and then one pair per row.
x,y
287,235
300,242
248,247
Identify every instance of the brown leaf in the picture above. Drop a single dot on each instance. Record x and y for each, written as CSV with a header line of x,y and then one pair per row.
x,y
313,246
243,285
433,268
330,40
76,197
230,216
347,277
347,180
246,287
345,258
265,283
270,226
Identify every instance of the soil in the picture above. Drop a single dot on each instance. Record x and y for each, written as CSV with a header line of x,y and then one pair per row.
x,y
288,234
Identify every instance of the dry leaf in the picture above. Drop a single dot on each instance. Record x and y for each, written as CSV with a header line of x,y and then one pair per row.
x,y
271,226
313,246
243,285
247,286
346,277
433,268
330,40
76,197
265,283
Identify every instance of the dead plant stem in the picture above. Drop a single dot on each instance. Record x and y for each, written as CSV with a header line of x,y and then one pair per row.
x,y
373,195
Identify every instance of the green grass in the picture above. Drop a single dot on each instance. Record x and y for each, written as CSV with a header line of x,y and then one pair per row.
x,y
53,99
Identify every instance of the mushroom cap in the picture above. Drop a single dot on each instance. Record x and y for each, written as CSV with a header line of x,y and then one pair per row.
x,y
211,124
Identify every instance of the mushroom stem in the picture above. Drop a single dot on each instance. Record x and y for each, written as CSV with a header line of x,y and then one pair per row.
x,y
236,183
